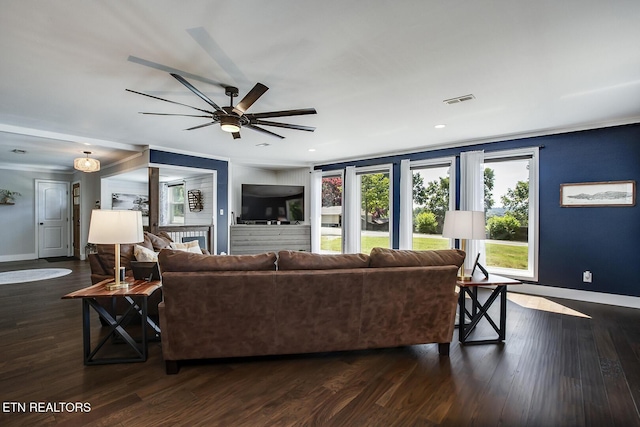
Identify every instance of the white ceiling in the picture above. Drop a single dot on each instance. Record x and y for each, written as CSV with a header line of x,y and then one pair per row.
x,y
376,71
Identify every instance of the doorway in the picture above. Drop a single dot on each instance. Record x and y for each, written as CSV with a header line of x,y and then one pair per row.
x,y
52,207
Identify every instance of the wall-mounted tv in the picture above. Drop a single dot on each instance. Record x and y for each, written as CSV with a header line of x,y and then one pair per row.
x,y
262,202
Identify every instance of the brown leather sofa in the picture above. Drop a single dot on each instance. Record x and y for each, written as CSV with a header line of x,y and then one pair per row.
x,y
298,302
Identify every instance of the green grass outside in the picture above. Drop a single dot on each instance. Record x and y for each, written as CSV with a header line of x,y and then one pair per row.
x,y
505,256
334,244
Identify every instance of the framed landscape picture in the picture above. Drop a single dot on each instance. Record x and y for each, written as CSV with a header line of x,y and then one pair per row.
x,y
132,202
593,194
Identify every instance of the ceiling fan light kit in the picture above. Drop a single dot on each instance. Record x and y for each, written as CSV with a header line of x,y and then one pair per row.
x,y
230,124
86,164
232,119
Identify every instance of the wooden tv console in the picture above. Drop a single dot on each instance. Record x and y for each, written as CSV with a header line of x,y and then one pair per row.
x,y
255,239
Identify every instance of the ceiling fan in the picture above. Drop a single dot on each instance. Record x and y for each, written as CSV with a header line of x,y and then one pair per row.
x,y
231,118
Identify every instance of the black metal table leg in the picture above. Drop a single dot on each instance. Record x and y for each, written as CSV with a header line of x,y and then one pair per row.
x,y
480,311
86,330
117,328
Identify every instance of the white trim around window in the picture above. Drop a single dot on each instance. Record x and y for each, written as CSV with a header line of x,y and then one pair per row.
x,y
406,195
531,153
363,170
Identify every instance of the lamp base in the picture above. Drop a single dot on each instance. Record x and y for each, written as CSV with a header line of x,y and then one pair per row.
x,y
464,278
112,286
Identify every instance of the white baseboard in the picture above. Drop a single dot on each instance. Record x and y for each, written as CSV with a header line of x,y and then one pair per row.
x,y
18,257
578,295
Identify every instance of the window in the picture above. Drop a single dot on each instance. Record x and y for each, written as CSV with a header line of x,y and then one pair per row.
x,y
375,211
432,186
367,208
511,209
331,214
176,203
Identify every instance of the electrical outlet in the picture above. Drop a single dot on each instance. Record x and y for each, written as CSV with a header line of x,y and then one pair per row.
x,y
587,277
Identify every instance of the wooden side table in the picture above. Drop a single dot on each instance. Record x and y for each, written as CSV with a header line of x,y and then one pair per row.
x,y
481,310
138,290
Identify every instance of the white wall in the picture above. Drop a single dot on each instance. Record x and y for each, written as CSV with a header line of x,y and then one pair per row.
x,y
206,215
18,221
251,175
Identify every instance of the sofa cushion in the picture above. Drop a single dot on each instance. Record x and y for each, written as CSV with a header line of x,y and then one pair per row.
x,y
382,257
294,260
144,254
192,246
155,242
171,260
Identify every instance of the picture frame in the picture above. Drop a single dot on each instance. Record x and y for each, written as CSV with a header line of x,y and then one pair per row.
x,y
132,202
598,194
479,266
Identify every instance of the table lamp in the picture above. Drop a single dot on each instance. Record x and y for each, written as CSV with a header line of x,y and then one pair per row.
x,y
109,227
464,225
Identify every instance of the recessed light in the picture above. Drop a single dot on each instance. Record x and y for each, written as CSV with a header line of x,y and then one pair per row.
x,y
440,126
312,149
264,144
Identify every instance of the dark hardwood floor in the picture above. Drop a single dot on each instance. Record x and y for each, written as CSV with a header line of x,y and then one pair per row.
x,y
555,370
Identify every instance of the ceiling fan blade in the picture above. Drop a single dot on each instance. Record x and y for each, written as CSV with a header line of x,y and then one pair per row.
x,y
268,132
258,90
166,100
170,114
193,89
236,135
285,113
283,125
204,125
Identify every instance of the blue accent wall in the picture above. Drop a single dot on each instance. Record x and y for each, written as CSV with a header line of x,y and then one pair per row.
x,y
222,169
603,240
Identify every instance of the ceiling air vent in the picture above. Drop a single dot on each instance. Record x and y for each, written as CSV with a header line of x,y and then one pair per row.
x,y
459,99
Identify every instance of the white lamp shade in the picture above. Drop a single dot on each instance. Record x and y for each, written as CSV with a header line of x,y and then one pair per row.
x,y
464,225
111,227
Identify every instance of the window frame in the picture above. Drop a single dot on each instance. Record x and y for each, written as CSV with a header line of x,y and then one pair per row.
x,y
449,161
365,170
335,174
532,153
170,203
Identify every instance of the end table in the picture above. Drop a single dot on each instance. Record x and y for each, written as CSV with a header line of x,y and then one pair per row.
x,y
481,310
138,290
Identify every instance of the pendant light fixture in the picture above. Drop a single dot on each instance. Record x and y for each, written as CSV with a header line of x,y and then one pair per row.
x,y
85,164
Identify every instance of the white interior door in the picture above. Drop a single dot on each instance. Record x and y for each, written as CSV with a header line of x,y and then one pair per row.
x,y
53,218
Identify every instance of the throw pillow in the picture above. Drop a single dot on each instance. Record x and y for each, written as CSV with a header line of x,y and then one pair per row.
x,y
144,254
192,246
156,242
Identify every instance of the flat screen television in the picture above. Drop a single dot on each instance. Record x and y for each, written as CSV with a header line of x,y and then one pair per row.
x,y
262,202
